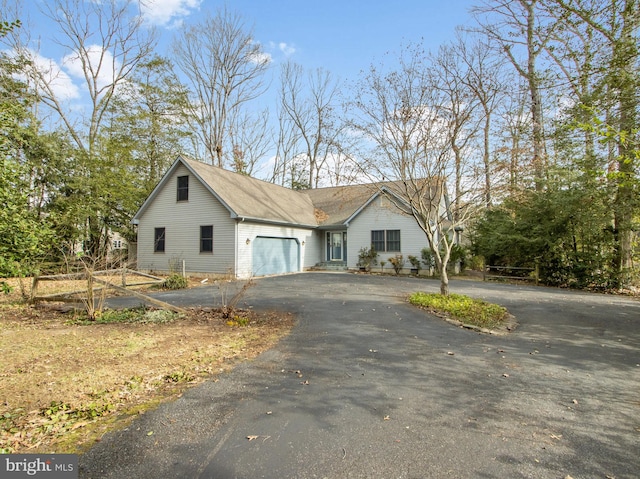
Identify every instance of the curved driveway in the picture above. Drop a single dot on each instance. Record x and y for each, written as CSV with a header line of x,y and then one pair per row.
x,y
367,386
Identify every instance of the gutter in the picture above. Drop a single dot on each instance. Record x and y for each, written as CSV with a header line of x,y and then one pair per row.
x,y
242,219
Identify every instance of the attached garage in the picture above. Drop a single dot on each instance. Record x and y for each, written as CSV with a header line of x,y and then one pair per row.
x,y
275,255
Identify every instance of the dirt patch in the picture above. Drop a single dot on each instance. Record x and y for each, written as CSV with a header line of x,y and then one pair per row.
x,y
64,384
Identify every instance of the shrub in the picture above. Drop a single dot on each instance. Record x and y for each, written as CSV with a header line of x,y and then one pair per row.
x,y
458,253
5,288
367,257
427,258
415,263
175,281
463,308
397,262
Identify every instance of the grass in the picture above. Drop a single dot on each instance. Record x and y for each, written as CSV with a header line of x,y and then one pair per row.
x,y
462,308
66,381
134,315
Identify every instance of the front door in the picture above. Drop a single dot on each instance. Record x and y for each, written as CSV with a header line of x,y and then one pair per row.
x,y
336,246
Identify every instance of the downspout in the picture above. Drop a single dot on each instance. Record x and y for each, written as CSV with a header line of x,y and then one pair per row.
x,y
237,254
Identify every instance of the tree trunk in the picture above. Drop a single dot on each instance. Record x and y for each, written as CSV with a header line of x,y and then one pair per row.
x,y
539,155
444,282
486,159
625,58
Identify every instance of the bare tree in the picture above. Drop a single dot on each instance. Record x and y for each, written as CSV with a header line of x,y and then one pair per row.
x,y
459,111
310,107
251,138
484,78
286,144
514,125
224,67
403,120
103,43
521,32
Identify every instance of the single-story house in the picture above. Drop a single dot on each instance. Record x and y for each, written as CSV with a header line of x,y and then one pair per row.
x,y
208,220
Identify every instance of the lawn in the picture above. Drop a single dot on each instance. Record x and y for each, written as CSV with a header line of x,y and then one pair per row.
x,y
64,382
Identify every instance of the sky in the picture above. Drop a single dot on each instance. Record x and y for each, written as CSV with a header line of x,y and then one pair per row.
x,y
346,36
341,36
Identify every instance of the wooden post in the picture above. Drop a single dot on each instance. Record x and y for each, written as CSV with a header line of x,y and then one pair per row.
x,y
184,269
537,273
484,271
34,287
124,277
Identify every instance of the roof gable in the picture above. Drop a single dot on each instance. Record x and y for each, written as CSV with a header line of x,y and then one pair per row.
x,y
244,197
339,205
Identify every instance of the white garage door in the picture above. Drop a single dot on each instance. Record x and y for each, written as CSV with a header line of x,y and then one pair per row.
x,y
275,255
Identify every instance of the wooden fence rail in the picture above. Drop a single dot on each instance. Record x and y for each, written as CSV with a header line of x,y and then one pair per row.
x,y
508,273
75,295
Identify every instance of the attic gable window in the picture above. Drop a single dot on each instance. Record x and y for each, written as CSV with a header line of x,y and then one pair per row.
x,y
183,188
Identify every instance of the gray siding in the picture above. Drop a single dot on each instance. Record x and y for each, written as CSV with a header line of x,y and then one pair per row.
x,y
381,215
182,221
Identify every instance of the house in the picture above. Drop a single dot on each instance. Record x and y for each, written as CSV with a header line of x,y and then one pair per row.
x,y
206,220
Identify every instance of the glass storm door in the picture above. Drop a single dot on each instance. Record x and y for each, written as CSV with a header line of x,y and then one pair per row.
x,y
336,246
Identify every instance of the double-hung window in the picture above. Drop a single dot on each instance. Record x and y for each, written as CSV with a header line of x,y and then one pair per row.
x,y
377,240
393,240
386,240
158,240
206,239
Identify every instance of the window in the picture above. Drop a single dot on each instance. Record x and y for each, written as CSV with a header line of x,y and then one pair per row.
x,y
183,188
393,240
377,240
117,244
206,239
385,240
158,240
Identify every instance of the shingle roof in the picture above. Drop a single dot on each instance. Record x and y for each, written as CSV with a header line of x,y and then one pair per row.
x,y
335,205
254,199
250,198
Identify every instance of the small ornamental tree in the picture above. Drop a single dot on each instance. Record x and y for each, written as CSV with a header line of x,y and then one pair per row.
x,y
410,129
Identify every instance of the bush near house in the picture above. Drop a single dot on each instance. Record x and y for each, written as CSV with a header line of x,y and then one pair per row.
x,y
367,257
397,262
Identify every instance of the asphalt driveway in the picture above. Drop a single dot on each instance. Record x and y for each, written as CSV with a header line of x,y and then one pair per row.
x,y
367,386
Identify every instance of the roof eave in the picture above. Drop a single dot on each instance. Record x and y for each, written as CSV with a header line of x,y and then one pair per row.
x,y
275,222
